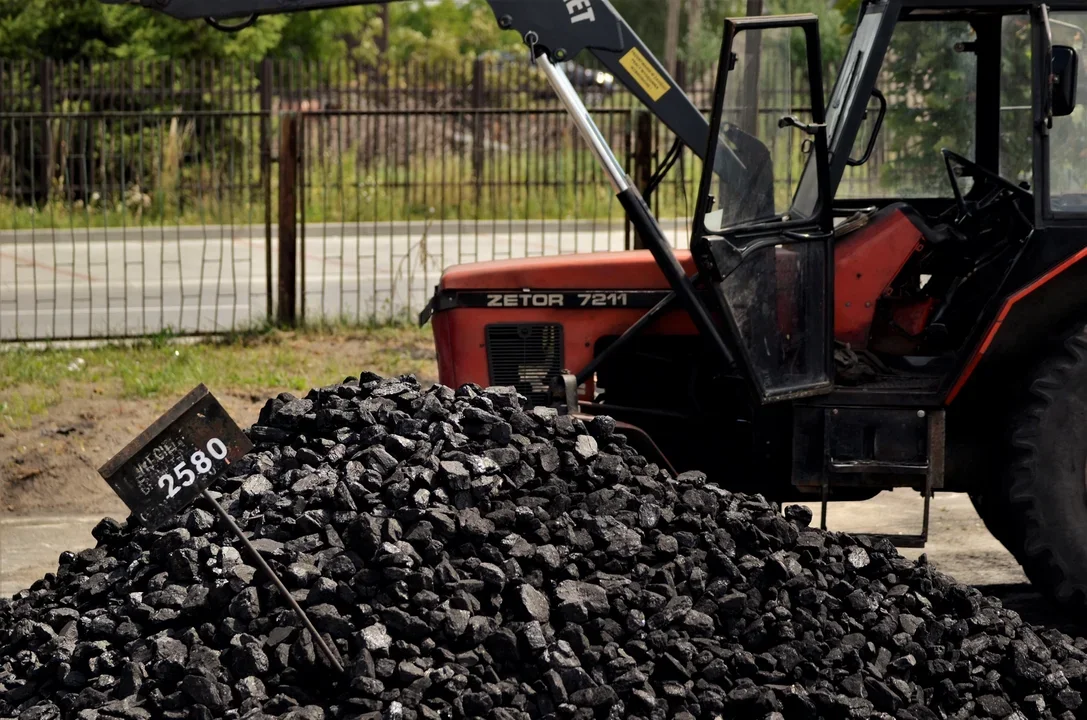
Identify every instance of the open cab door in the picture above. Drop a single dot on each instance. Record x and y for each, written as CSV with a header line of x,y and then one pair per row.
x,y
769,261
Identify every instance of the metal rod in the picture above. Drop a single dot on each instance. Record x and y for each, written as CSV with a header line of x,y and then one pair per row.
x,y
924,521
637,211
317,639
617,176
628,335
596,408
823,496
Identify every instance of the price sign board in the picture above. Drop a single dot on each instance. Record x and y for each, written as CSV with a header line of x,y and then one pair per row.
x,y
171,463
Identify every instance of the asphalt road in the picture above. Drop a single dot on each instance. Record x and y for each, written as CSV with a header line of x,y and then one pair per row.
x,y
31,546
131,281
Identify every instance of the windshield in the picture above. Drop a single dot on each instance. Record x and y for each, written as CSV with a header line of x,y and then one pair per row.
x,y
1068,135
757,178
860,56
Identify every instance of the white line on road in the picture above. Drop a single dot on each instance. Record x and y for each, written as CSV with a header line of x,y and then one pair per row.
x,y
130,309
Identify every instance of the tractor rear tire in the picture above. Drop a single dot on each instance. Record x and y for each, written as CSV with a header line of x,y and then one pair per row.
x,y
1044,509
1000,520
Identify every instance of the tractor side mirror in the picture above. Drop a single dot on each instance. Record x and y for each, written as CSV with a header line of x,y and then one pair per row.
x,y
1065,75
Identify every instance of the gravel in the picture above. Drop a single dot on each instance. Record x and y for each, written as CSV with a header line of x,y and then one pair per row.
x,y
467,556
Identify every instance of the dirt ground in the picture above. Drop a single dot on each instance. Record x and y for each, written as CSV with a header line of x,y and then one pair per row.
x,y
52,467
49,462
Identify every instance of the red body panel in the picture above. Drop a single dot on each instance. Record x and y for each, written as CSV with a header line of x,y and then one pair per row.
x,y
912,316
459,334
631,270
865,263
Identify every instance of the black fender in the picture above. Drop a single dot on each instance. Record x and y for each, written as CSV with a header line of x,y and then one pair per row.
x,y
1030,323
1031,318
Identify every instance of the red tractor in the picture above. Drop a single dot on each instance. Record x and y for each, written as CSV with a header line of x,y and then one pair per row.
x,y
814,346
816,342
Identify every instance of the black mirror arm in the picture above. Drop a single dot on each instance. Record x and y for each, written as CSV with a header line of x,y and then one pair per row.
x,y
875,131
793,121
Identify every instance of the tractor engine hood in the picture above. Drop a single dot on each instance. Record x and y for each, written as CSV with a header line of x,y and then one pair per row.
x,y
561,281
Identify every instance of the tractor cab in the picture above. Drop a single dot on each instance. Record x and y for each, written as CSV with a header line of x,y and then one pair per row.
x,y
866,260
869,239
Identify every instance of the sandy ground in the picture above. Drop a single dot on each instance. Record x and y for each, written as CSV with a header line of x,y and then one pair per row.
x,y
52,493
958,542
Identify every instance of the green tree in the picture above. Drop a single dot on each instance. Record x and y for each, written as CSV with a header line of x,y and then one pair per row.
x,y
90,30
703,45
445,31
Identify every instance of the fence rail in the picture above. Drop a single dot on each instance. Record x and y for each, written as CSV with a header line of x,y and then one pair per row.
x,y
138,198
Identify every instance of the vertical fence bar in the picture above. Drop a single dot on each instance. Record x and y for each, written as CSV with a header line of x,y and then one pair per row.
x,y
288,168
300,195
46,168
266,174
478,101
643,161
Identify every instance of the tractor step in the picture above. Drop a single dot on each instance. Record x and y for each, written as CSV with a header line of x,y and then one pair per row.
x,y
870,447
899,540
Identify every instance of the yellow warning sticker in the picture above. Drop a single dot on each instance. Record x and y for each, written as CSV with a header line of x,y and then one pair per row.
x,y
645,74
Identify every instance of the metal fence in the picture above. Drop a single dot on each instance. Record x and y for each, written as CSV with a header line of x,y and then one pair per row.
x,y
139,198
125,239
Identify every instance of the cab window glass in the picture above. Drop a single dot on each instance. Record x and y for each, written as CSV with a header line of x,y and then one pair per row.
x,y
1068,136
930,87
1016,113
761,157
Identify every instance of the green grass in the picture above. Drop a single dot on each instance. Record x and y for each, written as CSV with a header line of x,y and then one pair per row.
x,y
260,363
551,185
556,184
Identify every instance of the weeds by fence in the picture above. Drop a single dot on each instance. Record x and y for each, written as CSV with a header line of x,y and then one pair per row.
x,y
94,138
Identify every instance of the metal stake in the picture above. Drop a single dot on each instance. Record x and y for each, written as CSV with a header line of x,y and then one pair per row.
x,y
824,494
320,642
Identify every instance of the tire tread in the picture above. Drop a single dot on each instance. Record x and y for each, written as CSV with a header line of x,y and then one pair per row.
x,y
1039,552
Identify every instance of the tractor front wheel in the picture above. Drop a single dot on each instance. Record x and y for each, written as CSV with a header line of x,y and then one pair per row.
x,y
1045,489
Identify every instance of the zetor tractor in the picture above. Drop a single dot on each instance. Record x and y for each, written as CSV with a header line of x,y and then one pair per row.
x,y
812,345
817,342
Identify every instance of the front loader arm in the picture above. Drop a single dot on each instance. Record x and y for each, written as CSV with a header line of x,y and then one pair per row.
x,y
561,28
564,29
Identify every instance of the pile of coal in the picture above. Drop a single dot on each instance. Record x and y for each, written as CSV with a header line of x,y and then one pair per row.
x,y
467,557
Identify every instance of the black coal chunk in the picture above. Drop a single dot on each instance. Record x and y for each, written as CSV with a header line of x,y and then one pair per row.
x,y
468,556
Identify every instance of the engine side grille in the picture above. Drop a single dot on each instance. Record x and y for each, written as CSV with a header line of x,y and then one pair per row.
x,y
525,355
